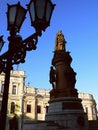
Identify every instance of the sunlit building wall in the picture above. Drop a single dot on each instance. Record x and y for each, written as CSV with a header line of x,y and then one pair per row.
x,y
15,97
89,105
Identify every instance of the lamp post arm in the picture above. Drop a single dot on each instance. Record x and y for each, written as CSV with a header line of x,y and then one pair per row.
x,y
18,50
31,42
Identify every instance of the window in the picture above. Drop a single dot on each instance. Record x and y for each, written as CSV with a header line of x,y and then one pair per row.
x,y
14,88
93,110
0,105
28,108
38,109
12,107
47,109
86,108
2,88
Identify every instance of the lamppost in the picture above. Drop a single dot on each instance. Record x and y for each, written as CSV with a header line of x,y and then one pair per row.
x,y
40,14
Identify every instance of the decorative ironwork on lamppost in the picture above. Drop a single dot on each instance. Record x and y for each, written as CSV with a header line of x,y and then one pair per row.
x,y
1,42
40,13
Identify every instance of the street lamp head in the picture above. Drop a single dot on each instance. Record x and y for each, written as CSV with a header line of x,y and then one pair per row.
x,y
15,17
1,42
40,13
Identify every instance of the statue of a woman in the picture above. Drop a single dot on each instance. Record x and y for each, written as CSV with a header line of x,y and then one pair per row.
x,y
60,42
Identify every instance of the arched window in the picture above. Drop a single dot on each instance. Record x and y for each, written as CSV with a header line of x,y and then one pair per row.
x,y
12,107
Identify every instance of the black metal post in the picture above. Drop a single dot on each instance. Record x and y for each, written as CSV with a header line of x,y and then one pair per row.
x,y
5,94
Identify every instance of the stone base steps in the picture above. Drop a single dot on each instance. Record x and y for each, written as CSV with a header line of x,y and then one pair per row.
x,y
50,125
93,124
42,125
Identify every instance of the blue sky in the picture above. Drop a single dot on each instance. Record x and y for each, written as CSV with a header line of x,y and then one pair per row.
x,y
78,20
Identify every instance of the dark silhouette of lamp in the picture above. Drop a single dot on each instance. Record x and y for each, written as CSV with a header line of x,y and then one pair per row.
x,y
40,13
15,17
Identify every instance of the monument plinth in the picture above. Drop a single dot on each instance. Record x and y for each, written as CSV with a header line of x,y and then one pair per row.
x,y
65,107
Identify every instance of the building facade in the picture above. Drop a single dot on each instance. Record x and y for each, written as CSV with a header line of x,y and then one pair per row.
x,y
15,97
89,105
36,100
35,103
30,103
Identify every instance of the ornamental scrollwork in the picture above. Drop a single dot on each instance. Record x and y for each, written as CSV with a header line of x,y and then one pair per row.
x,y
17,50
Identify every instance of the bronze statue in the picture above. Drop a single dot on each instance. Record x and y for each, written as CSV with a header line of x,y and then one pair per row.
x,y
52,77
60,42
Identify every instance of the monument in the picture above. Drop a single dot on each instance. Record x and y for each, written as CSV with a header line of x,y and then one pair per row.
x,y
65,107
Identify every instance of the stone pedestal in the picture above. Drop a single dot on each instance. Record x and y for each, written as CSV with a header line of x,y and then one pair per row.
x,y
67,112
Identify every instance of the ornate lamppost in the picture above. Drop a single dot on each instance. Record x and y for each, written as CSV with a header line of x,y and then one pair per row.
x,y
40,13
